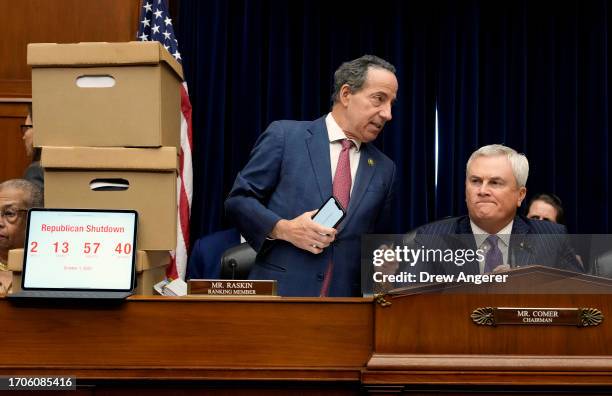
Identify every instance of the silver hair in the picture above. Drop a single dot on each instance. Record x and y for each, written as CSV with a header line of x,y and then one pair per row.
x,y
518,162
34,192
354,73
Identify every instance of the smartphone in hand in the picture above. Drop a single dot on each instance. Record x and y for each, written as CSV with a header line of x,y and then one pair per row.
x,y
330,214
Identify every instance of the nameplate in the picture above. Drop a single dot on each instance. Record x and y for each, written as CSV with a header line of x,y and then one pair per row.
x,y
581,317
240,288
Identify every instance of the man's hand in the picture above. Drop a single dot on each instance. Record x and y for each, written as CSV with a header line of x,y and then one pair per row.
x,y
304,233
501,268
388,267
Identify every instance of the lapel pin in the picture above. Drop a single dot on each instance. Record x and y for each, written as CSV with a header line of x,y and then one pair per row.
x,y
371,162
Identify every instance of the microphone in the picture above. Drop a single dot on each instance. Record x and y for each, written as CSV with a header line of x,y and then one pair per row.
x,y
233,264
524,246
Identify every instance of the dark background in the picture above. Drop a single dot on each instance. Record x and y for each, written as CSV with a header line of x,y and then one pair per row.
x,y
531,75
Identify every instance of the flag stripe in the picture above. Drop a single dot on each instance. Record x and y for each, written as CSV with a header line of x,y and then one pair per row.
x,y
155,24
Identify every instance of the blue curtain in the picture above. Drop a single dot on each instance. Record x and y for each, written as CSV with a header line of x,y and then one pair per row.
x,y
532,75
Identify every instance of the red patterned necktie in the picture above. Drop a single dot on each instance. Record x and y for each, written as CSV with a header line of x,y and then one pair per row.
x,y
342,192
342,178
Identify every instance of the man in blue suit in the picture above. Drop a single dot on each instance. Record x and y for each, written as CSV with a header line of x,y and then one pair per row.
x,y
494,189
296,166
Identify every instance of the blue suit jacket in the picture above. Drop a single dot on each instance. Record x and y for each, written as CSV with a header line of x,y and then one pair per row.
x,y
205,259
532,242
289,173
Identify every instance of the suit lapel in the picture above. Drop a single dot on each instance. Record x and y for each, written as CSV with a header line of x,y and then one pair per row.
x,y
519,246
318,150
463,226
365,171
464,232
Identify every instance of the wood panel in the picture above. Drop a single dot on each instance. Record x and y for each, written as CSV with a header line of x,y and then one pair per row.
x,y
426,335
192,339
426,314
59,21
12,152
266,344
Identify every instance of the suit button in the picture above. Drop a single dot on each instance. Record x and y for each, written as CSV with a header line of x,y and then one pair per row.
x,y
320,276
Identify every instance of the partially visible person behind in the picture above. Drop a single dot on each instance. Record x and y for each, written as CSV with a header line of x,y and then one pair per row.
x,y
16,197
34,172
546,207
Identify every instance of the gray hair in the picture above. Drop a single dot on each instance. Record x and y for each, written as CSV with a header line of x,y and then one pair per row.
x,y
354,73
518,162
35,193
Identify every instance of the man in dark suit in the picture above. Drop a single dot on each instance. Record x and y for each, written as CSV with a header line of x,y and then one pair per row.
x,y
494,188
296,166
34,172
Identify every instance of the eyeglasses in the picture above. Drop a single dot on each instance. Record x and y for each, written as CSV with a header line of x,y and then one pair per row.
x,y
24,128
11,214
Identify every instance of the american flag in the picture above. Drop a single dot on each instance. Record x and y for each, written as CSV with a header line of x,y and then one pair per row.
x,y
156,24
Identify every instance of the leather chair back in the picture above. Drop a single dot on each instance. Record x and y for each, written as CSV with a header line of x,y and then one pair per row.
x,y
237,261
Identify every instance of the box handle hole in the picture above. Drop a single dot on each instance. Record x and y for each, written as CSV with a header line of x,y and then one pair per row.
x,y
109,185
95,82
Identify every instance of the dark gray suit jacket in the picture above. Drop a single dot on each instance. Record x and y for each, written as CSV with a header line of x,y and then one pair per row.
x,y
34,173
533,242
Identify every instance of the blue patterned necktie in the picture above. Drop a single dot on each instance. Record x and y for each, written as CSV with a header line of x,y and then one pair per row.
x,y
494,257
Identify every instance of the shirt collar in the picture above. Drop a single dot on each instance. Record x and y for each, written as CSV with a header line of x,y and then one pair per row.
x,y
336,133
481,235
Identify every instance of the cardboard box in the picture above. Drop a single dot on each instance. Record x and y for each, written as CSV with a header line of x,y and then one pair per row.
x,y
71,174
140,109
150,269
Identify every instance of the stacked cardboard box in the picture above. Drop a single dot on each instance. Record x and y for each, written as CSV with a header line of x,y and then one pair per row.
x,y
107,116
